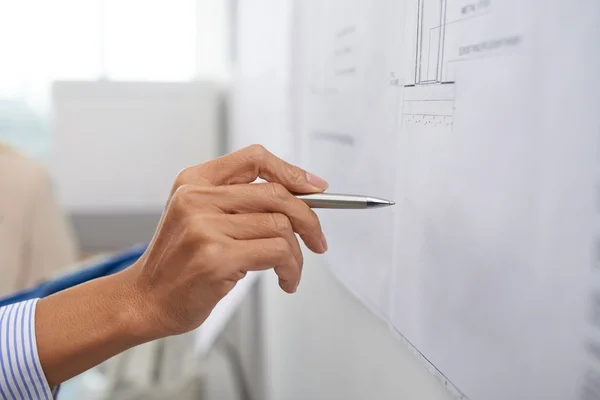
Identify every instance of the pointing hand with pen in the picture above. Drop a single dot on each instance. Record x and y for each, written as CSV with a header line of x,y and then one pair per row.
x,y
217,225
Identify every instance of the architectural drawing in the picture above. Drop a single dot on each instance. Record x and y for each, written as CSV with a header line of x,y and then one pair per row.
x,y
429,89
431,29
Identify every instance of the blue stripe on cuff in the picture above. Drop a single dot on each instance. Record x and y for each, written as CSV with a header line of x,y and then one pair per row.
x,y
10,340
3,378
18,340
26,316
6,383
31,351
22,375
44,387
12,350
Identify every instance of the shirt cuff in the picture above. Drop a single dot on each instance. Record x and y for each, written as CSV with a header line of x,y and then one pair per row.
x,y
21,375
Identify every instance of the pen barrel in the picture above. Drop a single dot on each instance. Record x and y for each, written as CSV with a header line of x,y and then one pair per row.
x,y
335,204
334,201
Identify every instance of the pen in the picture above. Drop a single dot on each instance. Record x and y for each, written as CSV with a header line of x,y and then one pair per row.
x,y
343,201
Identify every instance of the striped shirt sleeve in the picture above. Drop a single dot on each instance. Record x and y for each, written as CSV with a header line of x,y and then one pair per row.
x,y
21,375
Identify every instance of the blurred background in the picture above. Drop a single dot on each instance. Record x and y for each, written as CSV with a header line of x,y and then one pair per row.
x,y
102,40
102,102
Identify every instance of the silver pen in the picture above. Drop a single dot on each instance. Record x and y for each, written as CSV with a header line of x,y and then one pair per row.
x,y
343,201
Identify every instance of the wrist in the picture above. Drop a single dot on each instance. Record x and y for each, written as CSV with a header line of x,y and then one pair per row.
x,y
138,316
127,308
81,327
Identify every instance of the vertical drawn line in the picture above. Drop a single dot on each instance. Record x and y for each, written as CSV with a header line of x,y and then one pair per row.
x,y
437,64
428,79
442,45
441,35
418,56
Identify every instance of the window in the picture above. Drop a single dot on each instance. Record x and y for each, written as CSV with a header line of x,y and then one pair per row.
x,y
138,40
149,40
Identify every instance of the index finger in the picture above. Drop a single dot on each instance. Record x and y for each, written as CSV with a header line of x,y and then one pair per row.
x,y
250,163
271,198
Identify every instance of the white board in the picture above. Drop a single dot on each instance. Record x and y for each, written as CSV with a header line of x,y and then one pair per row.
x,y
342,107
480,119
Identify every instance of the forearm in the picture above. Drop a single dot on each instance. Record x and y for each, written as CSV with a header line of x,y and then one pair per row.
x,y
216,227
80,328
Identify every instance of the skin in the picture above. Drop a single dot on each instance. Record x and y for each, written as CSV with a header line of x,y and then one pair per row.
x,y
216,227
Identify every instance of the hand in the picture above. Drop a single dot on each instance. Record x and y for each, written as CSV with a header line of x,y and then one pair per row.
x,y
216,227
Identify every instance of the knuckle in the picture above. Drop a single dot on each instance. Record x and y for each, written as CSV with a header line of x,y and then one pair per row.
x,y
183,191
212,253
188,195
195,174
257,152
182,177
310,224
277,191
203,225
281,223
239,275
313,219
194,233
182,197
297,175
284,273
282,248
288,269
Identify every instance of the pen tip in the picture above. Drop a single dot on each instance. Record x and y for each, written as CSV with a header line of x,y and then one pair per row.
x,y
375,202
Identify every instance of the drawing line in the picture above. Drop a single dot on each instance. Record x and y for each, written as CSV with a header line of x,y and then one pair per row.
x,y
483,14
430,115
442,42
433,100
418,42
423,77
423,72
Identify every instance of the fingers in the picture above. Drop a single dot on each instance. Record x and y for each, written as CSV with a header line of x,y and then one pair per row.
x,y
272,198
262,254
248,164
262,226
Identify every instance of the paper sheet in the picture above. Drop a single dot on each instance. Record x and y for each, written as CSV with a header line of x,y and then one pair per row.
x,y
479,119
347,127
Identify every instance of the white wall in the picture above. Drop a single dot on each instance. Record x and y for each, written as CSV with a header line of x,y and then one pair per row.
x,y
322,343
119,145
214,41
